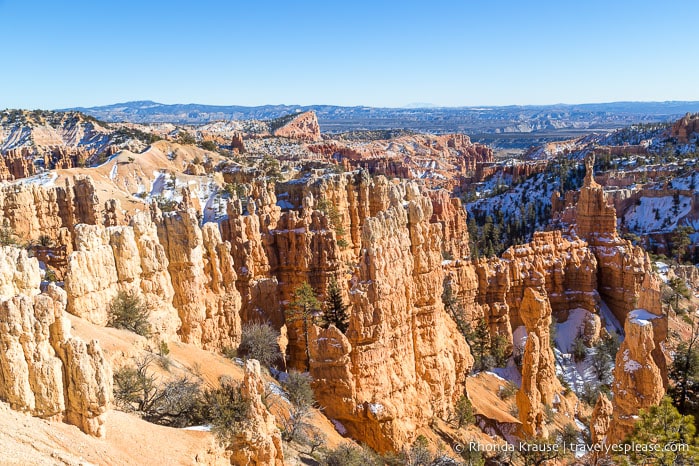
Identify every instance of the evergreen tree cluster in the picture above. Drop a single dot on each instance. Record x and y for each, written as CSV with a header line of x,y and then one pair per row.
x,y
487,351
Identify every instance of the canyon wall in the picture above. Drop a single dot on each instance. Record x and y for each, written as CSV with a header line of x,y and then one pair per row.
x,y
403,360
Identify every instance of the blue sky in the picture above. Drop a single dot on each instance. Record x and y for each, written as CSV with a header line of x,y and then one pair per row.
x,y
380,53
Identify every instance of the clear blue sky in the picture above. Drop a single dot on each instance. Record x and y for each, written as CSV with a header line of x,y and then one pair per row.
x,y
381,53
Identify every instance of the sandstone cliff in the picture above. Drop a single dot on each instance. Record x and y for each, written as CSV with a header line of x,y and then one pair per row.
x,y
185,274
43,369
260,443
540,387
32,211
383,399
203,278
638,382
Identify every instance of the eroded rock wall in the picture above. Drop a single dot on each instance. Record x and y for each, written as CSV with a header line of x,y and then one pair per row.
x,y
43,369
402,360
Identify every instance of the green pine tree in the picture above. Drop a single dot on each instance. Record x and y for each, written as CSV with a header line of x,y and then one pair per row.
x,y
305,308
684,373
480,346
334,309
663,425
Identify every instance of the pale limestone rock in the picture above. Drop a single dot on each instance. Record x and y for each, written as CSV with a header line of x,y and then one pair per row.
x,y
91,279
43,370
261,443
18,273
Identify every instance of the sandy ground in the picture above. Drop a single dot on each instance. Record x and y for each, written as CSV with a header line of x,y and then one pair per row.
x,y
25,440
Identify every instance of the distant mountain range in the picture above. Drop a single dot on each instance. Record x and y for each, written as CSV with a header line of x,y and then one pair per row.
x,y
488,124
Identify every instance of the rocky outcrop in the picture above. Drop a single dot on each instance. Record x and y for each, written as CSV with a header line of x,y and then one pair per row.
x,y
32,211
237,143
566,268
260,443
625,273
685,128
401,348
91,280
87,375
540,386
18,274
16,164
304,126
601,419
449,212
121,258
184,273
446,161
43,369
201,270
638,381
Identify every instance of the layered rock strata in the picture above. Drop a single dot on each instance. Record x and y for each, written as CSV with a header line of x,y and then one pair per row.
x,y
403,360
43,369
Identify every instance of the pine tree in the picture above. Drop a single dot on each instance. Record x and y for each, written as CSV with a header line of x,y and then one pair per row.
x,y
480,345
334,309
306,308
663,425
684,373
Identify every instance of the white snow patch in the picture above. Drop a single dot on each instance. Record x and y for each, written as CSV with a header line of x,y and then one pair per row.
x,y
509,372
376,408
657,214
631,366
567,331
519,337
642,317
198,428
610,321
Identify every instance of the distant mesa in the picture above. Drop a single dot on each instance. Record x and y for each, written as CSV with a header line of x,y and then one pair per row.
x,y
303,126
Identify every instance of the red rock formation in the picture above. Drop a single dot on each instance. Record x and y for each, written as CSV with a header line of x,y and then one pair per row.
x,y
399,333
684,128
441,161
539,383
449,212
237,143
601,419
18,163
304,126
32,211
638,381
568,268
